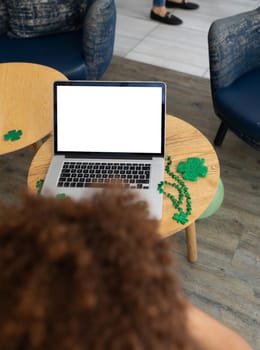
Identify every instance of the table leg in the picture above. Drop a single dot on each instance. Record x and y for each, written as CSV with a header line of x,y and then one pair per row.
x,y
191,241
37,145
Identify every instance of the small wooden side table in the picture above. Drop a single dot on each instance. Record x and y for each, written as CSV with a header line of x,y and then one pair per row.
x,y
26,103
182,141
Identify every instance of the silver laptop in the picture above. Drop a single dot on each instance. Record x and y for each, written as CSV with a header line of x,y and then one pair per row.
x,y
108,132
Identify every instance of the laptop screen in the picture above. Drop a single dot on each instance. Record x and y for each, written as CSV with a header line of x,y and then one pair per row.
x,y
109,117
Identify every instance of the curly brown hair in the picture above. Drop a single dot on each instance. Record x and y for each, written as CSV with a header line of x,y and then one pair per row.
x,y
92,274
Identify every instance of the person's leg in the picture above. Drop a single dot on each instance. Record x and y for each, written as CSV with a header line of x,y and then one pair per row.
x,y
159,7
158,3
160,13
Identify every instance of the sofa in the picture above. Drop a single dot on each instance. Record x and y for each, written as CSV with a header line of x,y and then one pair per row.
x,y
76,37
234,57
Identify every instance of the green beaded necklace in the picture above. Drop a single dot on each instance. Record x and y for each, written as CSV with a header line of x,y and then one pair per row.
x,y
179,185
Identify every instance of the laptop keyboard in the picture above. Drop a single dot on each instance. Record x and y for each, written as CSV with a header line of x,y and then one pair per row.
x,y
90,174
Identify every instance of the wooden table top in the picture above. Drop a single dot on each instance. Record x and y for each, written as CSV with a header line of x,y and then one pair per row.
x,y
182,141
26,102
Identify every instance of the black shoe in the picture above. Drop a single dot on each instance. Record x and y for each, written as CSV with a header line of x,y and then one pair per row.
x,y
182,5
168,18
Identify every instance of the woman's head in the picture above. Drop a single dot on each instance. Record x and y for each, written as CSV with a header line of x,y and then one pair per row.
x,y
93,274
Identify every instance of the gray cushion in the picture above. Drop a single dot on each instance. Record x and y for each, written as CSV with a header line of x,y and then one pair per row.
x,y
32,18
3,17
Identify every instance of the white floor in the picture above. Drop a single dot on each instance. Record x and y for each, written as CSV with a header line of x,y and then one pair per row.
x,y
182,48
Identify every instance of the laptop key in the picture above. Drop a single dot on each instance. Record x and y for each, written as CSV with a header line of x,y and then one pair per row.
x,y
139,181
89,184
142,181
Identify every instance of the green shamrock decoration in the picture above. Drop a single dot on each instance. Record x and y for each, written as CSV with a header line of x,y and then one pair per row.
x,y
192,169
61,195
39,184
182,218
13,135
179,185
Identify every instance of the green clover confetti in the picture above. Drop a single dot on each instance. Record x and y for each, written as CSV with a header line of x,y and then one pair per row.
x,y
39,185
13,135
61,195
192,169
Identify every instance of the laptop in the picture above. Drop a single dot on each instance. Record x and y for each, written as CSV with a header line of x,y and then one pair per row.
x,y
107,132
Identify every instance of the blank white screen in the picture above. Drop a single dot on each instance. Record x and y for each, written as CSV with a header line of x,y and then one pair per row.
x,y
109,119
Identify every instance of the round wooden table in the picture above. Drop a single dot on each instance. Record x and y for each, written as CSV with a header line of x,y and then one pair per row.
x,y
26,103
182,141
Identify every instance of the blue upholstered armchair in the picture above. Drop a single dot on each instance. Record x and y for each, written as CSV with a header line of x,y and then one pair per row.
x,y
234,55
76,37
